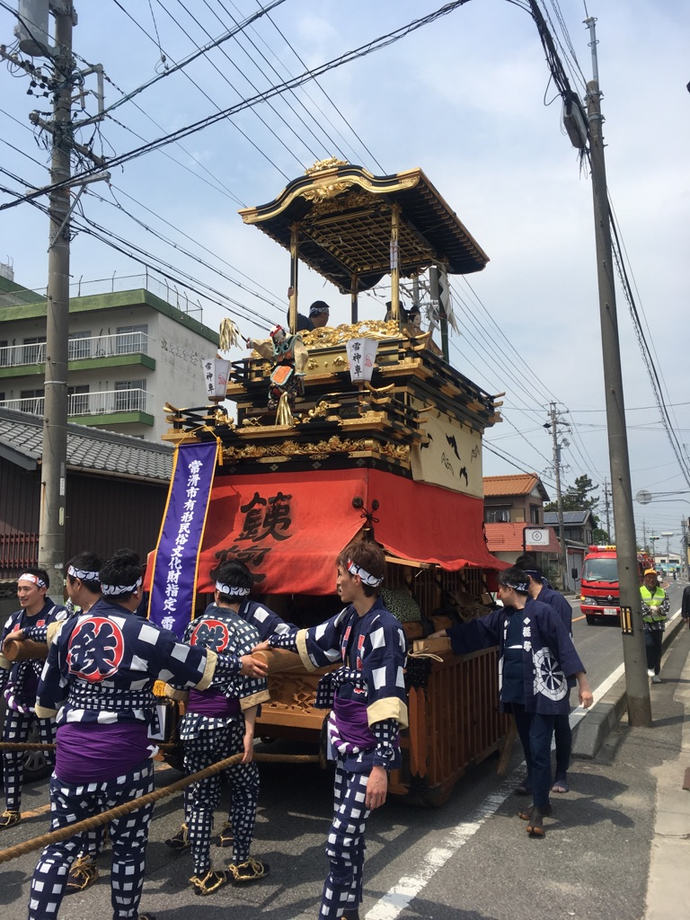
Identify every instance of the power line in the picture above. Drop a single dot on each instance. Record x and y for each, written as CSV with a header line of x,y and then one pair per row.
x,y
362,51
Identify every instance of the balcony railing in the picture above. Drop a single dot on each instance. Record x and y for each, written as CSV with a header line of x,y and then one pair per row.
x,y
98,346
179,297
105,402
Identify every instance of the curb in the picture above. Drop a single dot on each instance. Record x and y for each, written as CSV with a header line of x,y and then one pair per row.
x,y
592,731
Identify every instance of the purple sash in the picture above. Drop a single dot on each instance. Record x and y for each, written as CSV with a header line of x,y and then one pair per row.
x,y
92,753
212,703
351,723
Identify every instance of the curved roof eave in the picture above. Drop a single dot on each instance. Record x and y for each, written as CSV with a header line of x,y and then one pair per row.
x,y
344,216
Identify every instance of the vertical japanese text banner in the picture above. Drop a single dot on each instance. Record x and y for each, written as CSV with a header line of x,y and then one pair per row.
x,y
173,584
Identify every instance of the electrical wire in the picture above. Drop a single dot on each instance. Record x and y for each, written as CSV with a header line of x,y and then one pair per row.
x,y
329,99
362,51
176,246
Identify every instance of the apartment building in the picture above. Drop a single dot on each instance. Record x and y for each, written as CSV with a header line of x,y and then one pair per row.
x,y
130,352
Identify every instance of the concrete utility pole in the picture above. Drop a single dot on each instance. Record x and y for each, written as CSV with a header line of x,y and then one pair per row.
x,y
637,681
607,509
51,540
562,556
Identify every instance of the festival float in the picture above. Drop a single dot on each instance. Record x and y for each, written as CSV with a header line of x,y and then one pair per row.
x,y
359,431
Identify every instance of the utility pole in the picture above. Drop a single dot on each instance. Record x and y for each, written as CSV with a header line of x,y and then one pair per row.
x,y
637,682
32,32
607,509
553,425
51,540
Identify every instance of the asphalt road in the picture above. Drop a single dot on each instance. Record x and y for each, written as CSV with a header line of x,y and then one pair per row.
x,y
470,860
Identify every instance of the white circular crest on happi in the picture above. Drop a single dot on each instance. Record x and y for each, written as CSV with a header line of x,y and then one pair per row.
x,y
549,679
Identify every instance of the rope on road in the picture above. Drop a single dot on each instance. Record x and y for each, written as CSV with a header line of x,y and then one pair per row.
x,y
71,830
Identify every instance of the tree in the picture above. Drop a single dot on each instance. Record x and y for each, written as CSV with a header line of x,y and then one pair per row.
x,y
578,497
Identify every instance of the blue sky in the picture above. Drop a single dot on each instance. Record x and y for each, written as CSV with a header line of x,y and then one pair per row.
x,y
469,99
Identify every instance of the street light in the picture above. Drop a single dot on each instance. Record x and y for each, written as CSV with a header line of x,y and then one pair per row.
x,y
644,497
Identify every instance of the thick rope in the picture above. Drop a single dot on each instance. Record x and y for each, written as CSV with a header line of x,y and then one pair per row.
x,y
71,830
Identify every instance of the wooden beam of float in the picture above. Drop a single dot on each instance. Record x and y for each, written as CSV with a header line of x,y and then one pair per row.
x,y
294,275
345,216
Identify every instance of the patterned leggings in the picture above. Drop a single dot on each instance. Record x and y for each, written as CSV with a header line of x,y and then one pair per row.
x,y
70,803
208,748
345,846
17,727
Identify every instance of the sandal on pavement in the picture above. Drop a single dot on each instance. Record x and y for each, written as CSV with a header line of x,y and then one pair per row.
x,y
526,814
180,840
535,825
211,882
9,819
560,785
225,836
250,871
82,874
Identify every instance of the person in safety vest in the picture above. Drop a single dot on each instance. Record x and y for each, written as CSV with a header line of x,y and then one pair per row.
x,y
655,607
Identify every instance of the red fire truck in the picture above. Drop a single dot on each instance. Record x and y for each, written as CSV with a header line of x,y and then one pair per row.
x,y
599,583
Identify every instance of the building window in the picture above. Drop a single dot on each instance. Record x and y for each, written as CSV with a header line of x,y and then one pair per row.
x,y
79,345
4,353
130,396
497,515
534,514
31,401
34,350
132,339
78,400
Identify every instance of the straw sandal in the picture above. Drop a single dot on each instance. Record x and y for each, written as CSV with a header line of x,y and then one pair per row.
x,y
180,840
9,819
82,874
250,871
211,882
225,836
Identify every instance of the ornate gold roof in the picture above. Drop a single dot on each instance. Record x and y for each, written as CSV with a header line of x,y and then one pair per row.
x,y
344,218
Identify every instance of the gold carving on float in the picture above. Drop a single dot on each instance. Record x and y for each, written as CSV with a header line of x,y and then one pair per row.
x,y
292,449
396,451
322,192
355,200
323,409
323,165
328,336
221,417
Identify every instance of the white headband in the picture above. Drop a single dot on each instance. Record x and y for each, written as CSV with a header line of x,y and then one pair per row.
x,y
34,579
81,574
233,592
368,579
114,590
